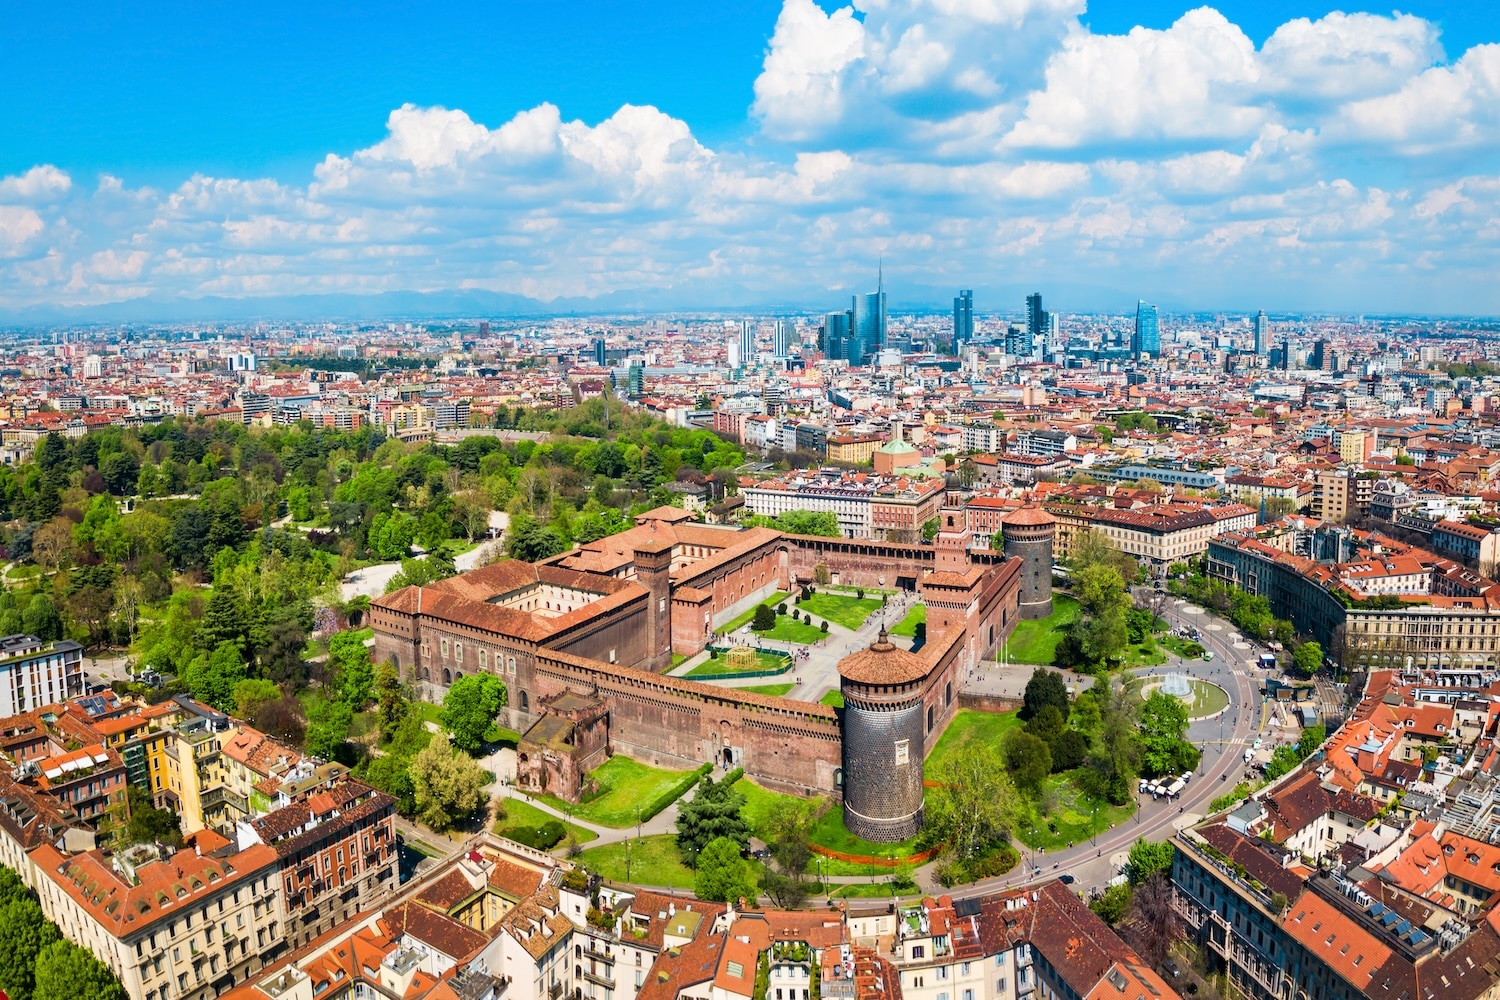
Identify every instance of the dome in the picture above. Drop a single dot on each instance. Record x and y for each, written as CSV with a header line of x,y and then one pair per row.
x,y
896,447
1028,517
883,663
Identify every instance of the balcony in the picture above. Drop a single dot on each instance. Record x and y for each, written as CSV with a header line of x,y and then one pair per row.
x,y
595,977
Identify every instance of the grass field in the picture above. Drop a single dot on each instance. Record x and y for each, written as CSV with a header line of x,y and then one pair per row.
x,y
1138,655
625,785
1071,819
970,728
1185,648
829,831
908,625
1036,641
774,690
760,801
740,621
520,813
787,630
841,609
653,860
764,660
426,711
833,699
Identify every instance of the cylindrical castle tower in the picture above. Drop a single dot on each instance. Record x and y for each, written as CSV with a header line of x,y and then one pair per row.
x,y
1028,535
883,752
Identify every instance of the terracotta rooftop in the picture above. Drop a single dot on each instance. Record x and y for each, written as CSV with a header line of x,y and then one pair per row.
x,y
883,663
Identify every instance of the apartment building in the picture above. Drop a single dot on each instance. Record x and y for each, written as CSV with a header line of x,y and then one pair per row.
x,y
1159,534
184,925
866,505
34,673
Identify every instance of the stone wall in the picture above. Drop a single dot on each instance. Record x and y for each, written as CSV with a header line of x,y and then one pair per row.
x,y
857,563
676,722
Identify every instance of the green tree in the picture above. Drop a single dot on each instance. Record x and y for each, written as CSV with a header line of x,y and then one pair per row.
x,y
253,693
349,663
24,934
65,971
1028,759
930,529
715,811
765,618
1113,904
1069,750
328,729
224,620
214,678
1164,722
447,786
1046,687
805,522
723,876
147,824
970,806
470,708
1147,859
789,825
41,619
1046,725
1308,658
390,697
528,541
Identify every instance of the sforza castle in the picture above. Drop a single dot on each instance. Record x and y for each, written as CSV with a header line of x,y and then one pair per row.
x,y
585,638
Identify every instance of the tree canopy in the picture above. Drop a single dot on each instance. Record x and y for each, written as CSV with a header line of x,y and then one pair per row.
x,y
470,708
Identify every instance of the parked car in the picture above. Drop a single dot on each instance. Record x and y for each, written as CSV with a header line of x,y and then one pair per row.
x,y
1066,879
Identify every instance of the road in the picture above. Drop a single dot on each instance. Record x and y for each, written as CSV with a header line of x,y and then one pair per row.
x,y
1223,740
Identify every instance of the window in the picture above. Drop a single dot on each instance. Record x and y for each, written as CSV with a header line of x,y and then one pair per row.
x,y
963,970
458,651
903,751
918,951
481,659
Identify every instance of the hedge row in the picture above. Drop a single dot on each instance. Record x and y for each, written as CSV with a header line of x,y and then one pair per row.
x,y
732,776
676,792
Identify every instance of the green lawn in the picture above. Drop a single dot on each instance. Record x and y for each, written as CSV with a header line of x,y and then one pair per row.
x,y
833,699
624,786
787,630
908,625
774,690
426,711
764,660
1073,817
841,609
678,659
1138,655
740,621
829,831
1185,648
759,803
969,728
520,813
1036,641
653,860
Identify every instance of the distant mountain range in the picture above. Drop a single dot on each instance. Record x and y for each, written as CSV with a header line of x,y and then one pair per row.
x,y
482,304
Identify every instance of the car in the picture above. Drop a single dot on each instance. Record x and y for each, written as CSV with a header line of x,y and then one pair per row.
x,y
1208,654
1066,879
747,629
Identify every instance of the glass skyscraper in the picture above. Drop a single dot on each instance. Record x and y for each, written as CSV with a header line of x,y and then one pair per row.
x,y
1262,334
836,328
783,338
1147,338
747,343
868,334
963,320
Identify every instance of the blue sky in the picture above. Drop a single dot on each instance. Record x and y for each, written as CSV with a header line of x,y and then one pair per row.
x,y
1277,152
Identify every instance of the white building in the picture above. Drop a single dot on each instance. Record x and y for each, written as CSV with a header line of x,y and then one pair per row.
x,y
35,673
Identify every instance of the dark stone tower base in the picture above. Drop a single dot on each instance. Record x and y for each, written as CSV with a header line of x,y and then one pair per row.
x,y
1028,537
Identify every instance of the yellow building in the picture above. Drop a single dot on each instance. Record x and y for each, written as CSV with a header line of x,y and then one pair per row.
x,y
853,449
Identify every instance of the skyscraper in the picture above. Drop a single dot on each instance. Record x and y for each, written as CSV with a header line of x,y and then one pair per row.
x,y
963,320
732,356
1147,337
1036,316
868,335
600,356
1262,334
747,342
836,335
783,338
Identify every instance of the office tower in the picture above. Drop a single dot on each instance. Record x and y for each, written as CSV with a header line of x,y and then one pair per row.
x,y
1322,356
836,333
1050,340
637,383
732,356
1036,316
868,334
963,320
1147,337
783,338
1017,343
1286,355
747,343
600,355
1262,334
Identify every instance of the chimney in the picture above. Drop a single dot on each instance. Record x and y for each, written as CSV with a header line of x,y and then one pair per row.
x,y
671,909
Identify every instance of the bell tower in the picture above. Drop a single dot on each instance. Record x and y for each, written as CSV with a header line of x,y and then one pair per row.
x,y
951,546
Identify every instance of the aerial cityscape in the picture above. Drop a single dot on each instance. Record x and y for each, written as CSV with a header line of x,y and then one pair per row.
x,y
904,501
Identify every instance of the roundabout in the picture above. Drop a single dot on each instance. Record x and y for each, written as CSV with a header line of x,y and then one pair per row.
x,y
1203,699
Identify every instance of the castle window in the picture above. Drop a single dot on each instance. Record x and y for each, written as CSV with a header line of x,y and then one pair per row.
x,y
481,659
903,751
458,651
611,656
445,647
